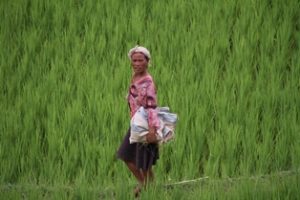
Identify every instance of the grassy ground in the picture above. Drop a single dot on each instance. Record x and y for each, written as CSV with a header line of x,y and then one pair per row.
x,y
276,186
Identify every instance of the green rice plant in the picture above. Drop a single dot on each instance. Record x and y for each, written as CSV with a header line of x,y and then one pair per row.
x,y
230,70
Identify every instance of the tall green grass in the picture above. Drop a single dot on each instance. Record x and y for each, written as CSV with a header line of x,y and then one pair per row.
x,y
230,69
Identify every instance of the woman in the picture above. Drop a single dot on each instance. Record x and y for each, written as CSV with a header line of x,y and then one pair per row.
x,y
140,157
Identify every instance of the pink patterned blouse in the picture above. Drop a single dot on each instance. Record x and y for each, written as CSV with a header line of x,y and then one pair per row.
x,y
143,93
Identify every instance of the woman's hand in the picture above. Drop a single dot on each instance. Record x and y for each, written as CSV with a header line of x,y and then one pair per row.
x,y
151,136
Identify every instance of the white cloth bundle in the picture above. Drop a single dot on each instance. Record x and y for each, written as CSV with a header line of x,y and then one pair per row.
x,y
139,125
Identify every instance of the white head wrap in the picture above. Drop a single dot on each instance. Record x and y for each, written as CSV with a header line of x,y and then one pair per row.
x,y
139,49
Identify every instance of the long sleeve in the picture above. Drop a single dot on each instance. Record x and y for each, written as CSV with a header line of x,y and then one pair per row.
x,y
147,99
143,93
151,104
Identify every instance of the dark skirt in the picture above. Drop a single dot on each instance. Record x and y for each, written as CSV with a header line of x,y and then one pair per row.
x,y
142,155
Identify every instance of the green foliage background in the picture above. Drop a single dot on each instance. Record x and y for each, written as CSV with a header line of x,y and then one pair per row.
x,y
230,69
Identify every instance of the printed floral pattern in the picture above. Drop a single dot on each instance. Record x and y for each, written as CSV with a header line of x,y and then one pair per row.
x,y
143,93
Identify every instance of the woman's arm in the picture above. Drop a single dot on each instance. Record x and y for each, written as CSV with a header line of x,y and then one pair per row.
x,y
151,104
147,99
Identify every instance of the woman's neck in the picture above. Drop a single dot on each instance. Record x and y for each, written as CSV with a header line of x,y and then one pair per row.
x,y
138,76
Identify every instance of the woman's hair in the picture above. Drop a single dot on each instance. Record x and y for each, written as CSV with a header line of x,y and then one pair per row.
x,y
139,49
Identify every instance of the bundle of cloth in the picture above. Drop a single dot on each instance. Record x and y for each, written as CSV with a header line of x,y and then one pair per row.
x,y
139,125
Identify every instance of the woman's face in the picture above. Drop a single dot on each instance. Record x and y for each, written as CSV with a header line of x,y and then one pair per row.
x,y
139,63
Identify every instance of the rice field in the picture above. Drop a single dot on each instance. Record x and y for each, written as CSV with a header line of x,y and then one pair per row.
x,y
229,69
